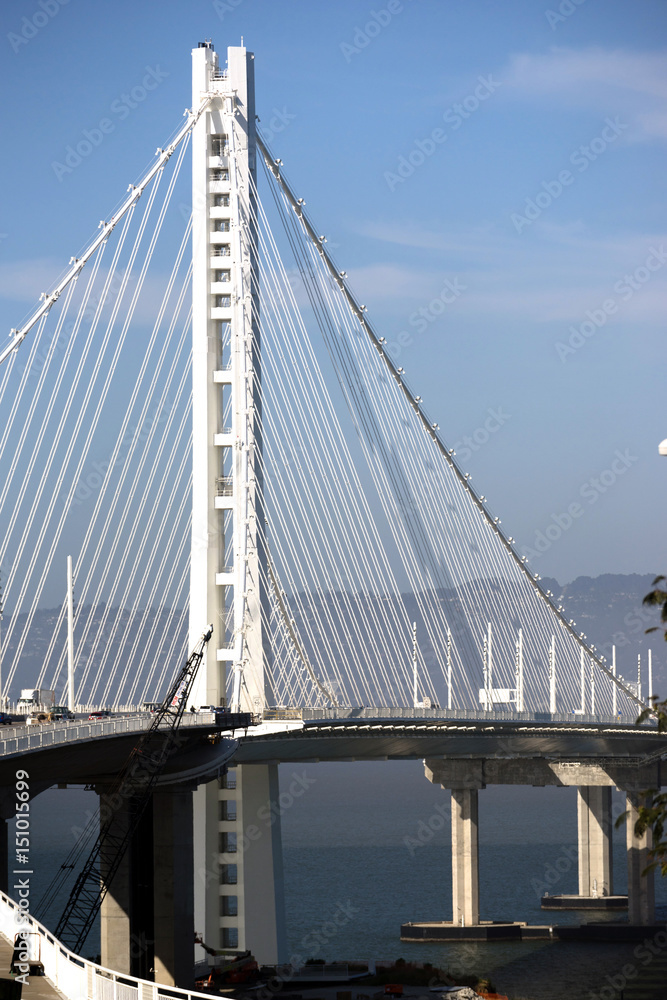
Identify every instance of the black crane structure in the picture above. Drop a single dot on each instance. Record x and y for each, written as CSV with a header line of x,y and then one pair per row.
x,y
131,791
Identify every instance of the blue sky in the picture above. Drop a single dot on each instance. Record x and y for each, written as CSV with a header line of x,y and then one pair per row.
x,y
490,175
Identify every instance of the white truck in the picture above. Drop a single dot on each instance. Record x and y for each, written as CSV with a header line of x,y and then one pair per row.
x,y
35,700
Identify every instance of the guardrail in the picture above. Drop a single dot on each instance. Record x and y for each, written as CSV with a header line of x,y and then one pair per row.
x,y
77,978
461,714
19,739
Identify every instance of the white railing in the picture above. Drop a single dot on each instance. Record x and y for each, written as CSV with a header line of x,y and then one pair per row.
x,y
76,978
353,714
19,739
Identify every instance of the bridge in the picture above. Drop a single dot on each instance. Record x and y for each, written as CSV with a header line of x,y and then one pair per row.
x,y
222,436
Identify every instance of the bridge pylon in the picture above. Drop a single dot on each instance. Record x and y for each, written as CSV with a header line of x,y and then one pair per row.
x,y
238,880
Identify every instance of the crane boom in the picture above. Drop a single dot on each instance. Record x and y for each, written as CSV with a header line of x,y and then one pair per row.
x,y
133,787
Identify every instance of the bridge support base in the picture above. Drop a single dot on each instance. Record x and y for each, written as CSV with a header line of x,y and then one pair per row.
x,y
115,912
465,856
595,845
173,888
147,917
641,888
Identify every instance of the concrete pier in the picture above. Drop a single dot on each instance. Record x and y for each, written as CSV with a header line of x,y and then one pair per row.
x,y
115,911
147,916
173,887
594,824
641,888
594,781
463,779
465,856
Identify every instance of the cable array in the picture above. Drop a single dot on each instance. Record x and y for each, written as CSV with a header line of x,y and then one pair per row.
x,y
369,522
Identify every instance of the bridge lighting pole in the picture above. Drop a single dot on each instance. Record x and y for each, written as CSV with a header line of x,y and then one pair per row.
x,y
650,675
519,673
614,689
70,635
449,668
238,889
414,665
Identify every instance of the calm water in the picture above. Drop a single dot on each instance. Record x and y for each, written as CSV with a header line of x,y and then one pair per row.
x,y
358,863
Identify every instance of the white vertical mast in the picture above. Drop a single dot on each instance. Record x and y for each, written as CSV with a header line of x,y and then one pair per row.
x,y
650,675
414,664
70,635
583,682
519,672
614,689
639,676
449,668
228,577
552,676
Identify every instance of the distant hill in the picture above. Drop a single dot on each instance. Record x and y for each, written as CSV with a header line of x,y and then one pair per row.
x,y
607,608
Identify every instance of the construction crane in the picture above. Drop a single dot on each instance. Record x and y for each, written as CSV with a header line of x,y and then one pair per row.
x,y
132,789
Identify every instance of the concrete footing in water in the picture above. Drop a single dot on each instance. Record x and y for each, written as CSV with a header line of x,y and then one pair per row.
x,y
491,930
575,902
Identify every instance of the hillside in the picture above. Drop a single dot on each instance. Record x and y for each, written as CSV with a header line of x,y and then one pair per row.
x,y
608,609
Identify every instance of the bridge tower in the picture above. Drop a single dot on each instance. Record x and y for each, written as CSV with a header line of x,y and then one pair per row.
x,y
238,880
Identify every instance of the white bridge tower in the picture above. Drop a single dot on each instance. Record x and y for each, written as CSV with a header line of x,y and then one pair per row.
x,y
238,884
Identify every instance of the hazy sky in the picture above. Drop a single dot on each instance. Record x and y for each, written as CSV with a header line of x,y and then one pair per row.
x,y
498,166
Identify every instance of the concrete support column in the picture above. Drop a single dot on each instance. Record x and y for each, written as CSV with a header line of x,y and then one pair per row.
x,y
641,888
173,887
465,856
259,864
116,905
595,841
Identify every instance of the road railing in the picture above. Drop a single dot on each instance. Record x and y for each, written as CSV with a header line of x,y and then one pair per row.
x,y
19,739
387,713
77,978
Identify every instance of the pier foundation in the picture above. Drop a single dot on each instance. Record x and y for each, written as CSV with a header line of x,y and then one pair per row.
x,y
595,845
173,887
147,916
465,856
115,911
641,888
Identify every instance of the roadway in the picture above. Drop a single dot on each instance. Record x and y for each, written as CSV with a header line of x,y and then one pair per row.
x,y
87,753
